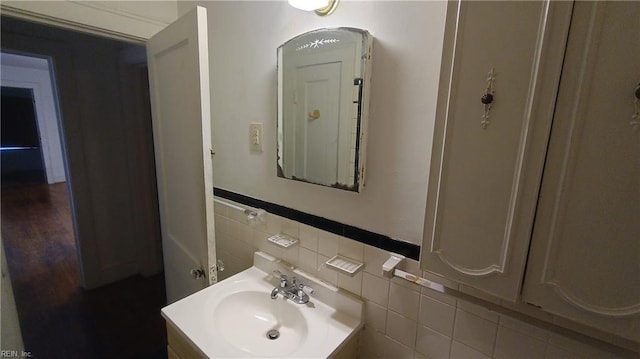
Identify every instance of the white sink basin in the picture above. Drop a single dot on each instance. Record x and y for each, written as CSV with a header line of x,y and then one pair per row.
x,y
254,315
234,318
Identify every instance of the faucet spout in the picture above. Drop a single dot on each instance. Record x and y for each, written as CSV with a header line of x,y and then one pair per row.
x,y
274,292
294,291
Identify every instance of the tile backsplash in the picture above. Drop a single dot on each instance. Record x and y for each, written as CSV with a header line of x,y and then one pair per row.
x,y
402,319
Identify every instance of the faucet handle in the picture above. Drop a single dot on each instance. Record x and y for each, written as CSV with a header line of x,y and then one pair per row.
x,y
303,291
283,278
306,289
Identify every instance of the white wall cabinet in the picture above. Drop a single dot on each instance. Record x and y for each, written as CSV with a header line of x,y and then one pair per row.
x,y
500,199
584,262
487,159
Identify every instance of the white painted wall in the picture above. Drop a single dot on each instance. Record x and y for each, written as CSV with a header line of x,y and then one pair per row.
x,y
33,73
407,51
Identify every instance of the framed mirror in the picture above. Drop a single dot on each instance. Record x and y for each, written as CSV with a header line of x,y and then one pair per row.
x,y
323,87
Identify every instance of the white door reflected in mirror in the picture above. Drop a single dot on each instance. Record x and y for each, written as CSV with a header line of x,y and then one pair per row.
x,y
323,86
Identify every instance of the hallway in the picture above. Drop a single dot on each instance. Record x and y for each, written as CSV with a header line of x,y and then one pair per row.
x,y
59,319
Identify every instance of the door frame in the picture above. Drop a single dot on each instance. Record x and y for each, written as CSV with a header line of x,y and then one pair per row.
x,y
71,14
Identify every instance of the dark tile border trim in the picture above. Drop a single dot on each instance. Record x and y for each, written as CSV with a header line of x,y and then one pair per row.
x,y
386,243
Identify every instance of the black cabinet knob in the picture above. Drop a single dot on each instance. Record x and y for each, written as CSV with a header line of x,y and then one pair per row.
x,y
488,98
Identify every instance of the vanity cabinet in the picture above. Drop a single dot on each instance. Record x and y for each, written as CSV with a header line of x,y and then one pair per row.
x,y
549,178
584,262
179,347
501,63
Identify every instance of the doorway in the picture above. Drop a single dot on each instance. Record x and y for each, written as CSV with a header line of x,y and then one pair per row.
x,y
29,78
87,272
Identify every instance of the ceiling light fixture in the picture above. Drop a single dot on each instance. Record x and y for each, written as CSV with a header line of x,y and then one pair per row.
x,y
321,7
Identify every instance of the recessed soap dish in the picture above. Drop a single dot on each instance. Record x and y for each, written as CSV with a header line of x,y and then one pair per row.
x,y
282,240
344,265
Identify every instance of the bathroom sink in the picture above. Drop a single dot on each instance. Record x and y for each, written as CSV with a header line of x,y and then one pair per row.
x,y
257,324
237,317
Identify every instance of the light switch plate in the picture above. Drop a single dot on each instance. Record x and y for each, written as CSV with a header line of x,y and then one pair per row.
x,y
255,136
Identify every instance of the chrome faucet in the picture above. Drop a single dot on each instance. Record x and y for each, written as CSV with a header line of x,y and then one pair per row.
x,y
294,291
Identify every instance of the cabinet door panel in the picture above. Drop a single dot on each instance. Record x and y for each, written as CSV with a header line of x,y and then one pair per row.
x,y
484,179
585,255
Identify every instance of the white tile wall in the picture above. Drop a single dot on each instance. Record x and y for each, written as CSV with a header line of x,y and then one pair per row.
x,y
432,344
513,344
461,351
475,332
375,289
401,329
402,320
437,315
404,301
309,237
328,243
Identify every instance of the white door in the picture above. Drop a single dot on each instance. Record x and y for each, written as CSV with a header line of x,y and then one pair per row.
x,y
317,122
179,83
321,140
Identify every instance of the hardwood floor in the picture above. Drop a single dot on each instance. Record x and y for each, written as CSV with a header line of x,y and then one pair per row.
x,y
58,318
